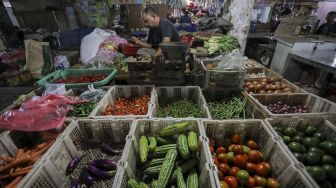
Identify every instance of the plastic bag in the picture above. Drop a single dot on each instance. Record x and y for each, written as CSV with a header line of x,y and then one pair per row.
x,y
232,60
56,89
93,95
61,62
38,114
90,44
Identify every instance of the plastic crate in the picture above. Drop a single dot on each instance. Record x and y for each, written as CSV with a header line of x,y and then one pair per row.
x,y
11,141
322,126
110,72
83,139
317,105
124,91
252,111
267,72
273,151
224,79
192,93
130,159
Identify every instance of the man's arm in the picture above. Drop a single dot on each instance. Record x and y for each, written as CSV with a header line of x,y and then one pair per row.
x,y
164,40
142,44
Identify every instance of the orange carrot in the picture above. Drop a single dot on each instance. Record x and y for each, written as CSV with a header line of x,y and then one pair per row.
x,y
17,169
11,171
25,168
14,182
21,173
20,161
19,153
42,145
41,151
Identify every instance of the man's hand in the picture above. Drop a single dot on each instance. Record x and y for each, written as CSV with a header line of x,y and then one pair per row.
x,y
135,40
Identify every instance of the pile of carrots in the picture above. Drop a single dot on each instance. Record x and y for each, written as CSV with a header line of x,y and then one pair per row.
x,y
13,169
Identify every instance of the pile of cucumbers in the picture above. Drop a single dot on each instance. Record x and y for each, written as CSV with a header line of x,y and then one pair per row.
x,y
169,158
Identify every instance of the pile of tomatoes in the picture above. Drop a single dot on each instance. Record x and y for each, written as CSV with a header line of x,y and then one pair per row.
x,y
81,79
241,165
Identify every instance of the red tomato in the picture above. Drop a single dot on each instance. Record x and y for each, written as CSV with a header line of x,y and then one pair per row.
x,y
252,145
233,171
224,168
220,150
212,142
251,182
223,184
272,183
262,169
240,161
220,175
250,167
255,156
220,143
231,181
222,158
238,149
235,138
212,150
231,147
269,168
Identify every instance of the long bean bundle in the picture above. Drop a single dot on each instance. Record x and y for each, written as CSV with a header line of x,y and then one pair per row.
x,y
180,109
233,108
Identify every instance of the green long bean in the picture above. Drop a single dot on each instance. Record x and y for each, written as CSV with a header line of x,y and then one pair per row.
x,y
180,109
233,108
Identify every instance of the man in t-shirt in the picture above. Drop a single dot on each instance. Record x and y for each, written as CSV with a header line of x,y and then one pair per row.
x,y
330,26
161,31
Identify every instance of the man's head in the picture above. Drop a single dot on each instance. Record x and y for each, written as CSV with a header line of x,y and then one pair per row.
x,y
150,17
331,17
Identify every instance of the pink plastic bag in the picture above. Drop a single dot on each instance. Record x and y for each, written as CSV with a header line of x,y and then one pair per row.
x,y
45,113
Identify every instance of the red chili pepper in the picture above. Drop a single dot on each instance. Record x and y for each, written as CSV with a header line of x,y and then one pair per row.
x,y
82,79
135,106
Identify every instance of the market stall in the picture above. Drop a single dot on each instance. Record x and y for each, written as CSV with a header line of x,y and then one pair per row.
x,y
199,114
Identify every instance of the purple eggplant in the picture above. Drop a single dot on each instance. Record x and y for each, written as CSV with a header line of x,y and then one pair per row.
x,y
75,183
101,174
105,164
109,150
85,177
73,164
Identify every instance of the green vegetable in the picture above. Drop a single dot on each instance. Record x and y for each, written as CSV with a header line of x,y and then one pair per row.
x,y
161,151
221,44
192,181
182,146
328,159
296,147
167,167
154,162
180,181
299,156
81,110
310,130
310,142
153,171
192,141
330,170
190,164
317,173
174,128
180,109
152,143
233,108
155,184
132,183
142,185
312,158
287,139
290,131
143,148
297,138
163,141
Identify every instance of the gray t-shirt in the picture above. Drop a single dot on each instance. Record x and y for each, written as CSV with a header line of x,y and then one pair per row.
x,y
165,29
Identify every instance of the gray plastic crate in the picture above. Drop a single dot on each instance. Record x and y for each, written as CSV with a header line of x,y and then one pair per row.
x,y
130,157
10,141
124,91
322,126
192,93
251,109
273,151
318,106
83,139
263,70
226,79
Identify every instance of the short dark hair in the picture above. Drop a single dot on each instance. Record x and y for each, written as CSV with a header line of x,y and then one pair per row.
x,y
332,13
149,10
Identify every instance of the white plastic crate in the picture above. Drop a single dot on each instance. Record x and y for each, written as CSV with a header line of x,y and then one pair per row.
x,y
124,91
130,158
322,126
192,93
220,78
263,70
318,106
83,138
252,111
273,151
11,141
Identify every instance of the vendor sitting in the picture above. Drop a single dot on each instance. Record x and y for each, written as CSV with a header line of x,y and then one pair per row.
x,y
161,31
